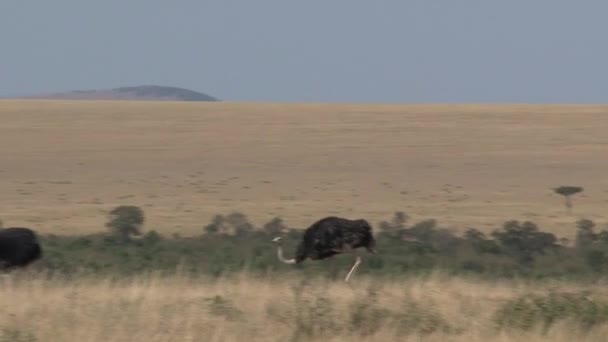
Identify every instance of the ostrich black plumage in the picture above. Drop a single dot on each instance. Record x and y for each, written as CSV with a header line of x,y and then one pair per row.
x,y
330,236
18,247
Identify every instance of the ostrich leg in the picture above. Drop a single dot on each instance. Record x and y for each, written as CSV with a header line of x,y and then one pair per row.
x,y
352,270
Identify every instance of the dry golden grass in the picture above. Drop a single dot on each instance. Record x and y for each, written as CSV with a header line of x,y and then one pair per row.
x,y
65,163
37,308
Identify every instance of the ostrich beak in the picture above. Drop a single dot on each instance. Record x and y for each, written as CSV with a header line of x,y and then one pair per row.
x,y
277,239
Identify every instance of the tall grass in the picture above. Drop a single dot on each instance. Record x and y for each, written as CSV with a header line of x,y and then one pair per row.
x,y
37,307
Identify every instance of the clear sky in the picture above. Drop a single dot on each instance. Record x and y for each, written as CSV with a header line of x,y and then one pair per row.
x,y
532,51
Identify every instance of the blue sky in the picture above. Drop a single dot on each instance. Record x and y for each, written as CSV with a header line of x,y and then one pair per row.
x,y
442,51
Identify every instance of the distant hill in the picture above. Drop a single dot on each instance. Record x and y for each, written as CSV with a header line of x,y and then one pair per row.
x,y
144,92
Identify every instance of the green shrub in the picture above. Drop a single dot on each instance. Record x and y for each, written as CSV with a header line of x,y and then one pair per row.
x,y
595,259
232,244
524,240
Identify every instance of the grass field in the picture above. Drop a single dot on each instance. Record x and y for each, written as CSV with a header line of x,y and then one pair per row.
x,y
64,164
36,308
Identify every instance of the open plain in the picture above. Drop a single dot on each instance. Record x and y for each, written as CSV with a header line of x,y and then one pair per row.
x,y
64,164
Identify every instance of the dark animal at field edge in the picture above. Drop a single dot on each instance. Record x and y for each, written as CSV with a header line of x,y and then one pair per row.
x,y
330,236
18,247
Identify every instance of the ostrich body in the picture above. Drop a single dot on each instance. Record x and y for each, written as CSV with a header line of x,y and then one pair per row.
x,y
330,236
18,247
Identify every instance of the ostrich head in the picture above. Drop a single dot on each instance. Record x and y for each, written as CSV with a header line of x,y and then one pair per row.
x,y
278,240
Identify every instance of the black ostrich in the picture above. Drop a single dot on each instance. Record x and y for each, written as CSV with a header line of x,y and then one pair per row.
x,y
330,236
18,247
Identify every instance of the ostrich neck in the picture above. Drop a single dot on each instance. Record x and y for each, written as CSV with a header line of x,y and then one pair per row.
x,y
282,258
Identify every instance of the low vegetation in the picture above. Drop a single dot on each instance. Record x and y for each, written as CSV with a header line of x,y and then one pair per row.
x,y
517,283
231,244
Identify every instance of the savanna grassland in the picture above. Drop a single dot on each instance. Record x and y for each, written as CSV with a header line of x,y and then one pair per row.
x,y
66,163
245,307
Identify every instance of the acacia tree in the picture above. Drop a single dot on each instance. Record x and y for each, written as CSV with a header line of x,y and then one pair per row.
x,y
567,192
125,221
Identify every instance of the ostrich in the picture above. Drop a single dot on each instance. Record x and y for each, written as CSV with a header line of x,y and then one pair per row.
x,y
18,247
330,236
